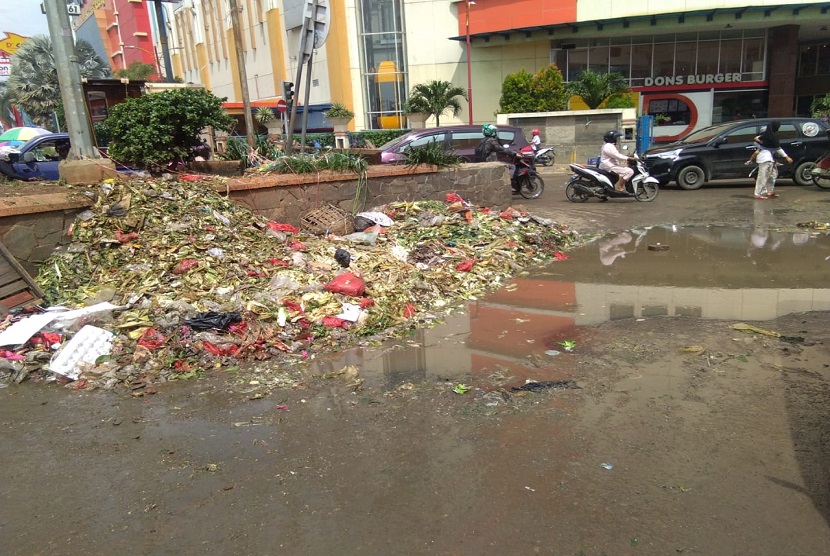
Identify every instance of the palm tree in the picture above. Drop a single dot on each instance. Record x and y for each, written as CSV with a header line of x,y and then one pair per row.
x,y
33,79
594,88
5,103
438,97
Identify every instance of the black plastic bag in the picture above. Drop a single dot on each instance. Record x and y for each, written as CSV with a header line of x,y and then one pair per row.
x,y
213,320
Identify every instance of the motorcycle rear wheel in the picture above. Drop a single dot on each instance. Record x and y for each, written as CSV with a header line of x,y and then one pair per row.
x,y
823,183
575,196
647,192
532,187
547,160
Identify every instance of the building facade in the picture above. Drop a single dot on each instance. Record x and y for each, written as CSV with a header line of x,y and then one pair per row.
x,y
691,62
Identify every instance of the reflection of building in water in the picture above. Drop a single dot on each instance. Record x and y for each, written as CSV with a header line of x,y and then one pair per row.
x,y
712,273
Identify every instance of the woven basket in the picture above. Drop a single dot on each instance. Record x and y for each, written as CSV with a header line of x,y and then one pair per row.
x,y
328,219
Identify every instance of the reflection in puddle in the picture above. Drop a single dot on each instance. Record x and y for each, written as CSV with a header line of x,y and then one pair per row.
x,y
707,272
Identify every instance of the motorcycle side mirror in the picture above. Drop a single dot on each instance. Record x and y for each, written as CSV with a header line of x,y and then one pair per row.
x,y
28,157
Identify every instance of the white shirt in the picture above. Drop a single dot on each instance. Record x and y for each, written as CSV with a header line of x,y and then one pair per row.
x,y
535,142
765,155
609,156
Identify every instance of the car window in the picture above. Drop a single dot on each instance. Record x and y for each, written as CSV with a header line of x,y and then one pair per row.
x,y
506,137
421,141
466,139
706,134
46,151
395,141
744,134
786,131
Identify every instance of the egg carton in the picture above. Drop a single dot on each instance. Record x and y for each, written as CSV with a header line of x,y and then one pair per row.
x,y
82,351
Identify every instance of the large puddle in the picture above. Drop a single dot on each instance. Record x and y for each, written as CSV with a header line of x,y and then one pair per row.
x,y
707,272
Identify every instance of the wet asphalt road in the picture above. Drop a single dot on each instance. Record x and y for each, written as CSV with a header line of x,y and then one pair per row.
x,y
196,469
727,202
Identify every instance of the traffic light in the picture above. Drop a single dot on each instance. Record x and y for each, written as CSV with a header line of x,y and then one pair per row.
x,y
288,92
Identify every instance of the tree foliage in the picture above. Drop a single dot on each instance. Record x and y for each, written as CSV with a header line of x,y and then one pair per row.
x,y
436,97
33,78
594,88
157,128
820,106
137,71
543,91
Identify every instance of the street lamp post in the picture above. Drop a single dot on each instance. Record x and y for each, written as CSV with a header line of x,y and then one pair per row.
x,y
469,70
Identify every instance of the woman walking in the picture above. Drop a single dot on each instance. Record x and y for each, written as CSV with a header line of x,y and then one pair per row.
x,y
767,171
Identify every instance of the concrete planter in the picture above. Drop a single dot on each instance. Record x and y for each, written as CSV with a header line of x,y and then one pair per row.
x,y
217,167
341,125
417,120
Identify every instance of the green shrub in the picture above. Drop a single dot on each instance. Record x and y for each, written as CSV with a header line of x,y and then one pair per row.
x,y
543,91
434,152
237,149
157,128
103,134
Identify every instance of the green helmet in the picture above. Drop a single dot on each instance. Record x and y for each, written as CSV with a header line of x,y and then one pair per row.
x,y
489,130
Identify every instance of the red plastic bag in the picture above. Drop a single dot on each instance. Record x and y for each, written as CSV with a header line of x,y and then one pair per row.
x,y
191,177
125,238
229,349
454,198
334,322
185,265
292,306
347,284
46,339
151,339
366,302
560,256
408,310
277,227
465,265
297,246
278,262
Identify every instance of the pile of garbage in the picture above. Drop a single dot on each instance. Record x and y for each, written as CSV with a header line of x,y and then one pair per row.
x,y
164,279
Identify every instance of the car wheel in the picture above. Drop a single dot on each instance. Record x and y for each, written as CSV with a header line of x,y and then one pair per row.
x,y
575,196
803,173
691,177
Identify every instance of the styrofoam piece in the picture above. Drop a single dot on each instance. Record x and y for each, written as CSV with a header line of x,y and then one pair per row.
x,y
81,351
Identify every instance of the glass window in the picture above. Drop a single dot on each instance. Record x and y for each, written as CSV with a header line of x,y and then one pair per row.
x,y
577,62
707,57
663,59
823,66
745,134
786,131
730,56
738,105
598,59
753,60
684,58
640,61
506,137
466,139
421,141
669,111
807,60
619,60
383,62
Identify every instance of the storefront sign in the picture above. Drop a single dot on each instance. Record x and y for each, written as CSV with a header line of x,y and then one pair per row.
x,y
698,79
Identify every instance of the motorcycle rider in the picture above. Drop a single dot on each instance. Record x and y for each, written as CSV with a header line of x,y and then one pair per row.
x,y
536,141
489,146
611,158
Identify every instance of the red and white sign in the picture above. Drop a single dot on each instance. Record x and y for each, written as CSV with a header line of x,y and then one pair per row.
x,y
281,106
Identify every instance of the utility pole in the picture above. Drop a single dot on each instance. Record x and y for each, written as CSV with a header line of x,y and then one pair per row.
x,y
69,79
243,73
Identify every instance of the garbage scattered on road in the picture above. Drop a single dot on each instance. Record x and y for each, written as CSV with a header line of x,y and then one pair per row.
x,y
693,350
552,352
535,386
461,389
750,329
608,466
195,282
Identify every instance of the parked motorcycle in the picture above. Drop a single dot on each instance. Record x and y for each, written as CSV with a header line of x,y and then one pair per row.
x,y
587,182
821,172
546,156
524,180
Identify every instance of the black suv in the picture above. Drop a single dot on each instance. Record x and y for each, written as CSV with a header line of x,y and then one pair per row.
x,y
720,151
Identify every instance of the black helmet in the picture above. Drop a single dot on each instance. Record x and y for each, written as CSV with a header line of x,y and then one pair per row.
x,y
611,136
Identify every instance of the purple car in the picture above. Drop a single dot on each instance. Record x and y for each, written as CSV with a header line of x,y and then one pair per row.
x,y
463,139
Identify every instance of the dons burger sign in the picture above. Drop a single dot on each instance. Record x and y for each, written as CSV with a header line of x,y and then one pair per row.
x,y
693,79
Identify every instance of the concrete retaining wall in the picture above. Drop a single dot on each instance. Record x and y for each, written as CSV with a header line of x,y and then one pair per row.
x,y
286,198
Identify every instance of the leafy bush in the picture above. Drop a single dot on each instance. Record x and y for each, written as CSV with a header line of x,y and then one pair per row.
x,y
595,88
236,148
434,152
820,106
137,71
307,164
103,134
338,110
157,128
619,101
543,91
